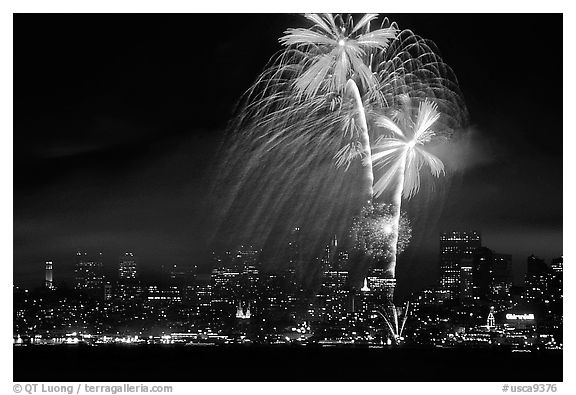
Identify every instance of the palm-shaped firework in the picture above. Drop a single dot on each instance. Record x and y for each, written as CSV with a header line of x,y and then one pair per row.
x,y
330,56
401,154
333,51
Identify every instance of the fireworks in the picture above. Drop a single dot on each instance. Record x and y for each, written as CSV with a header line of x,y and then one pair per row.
x,y
338,93
395,319
374,229
401,155
334,51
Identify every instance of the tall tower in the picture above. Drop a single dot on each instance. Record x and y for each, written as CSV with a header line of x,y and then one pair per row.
x,y
127,269
88,273
294,252
502,276
466,280
537,280
556,287
128,284
483,273
453,247
48,281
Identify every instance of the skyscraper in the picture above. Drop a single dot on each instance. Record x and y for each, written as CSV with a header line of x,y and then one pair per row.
x,y
294,248
453,247
333,294
502,281
466,281
127,268
555,308
557,265
88,275
557,279
330,251
381,293
483,273
129,287
537,279
48,281
225,287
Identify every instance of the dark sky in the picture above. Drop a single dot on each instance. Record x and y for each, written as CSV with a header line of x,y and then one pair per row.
x,y
117,120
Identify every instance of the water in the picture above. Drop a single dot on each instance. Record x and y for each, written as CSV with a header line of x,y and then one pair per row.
x,y
280,363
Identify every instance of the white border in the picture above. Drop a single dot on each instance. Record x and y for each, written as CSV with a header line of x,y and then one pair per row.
x,y
419,6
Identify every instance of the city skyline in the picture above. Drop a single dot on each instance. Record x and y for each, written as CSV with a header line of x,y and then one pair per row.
x,y
115,177
239,304
126,265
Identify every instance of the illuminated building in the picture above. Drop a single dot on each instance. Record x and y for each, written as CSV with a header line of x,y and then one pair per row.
x,y
163,295
380,281
273,298
330,252
490,321
293,303
377,295
521,317
129,290
182,276
556,265
453,247
556,288
225,290
466,280
333,294
333,297
88,275
502,276
48,281
128,284
203,292
537,279
294,250
482,273
127,269
365,301
107,291
426,297
238,280
365,287
243,313
246,262
485,276
543,290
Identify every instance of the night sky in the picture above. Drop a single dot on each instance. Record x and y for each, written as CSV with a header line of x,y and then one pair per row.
x,y
118,119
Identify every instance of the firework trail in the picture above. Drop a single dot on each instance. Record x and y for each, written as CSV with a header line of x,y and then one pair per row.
x,y
395,321
400,155
313,139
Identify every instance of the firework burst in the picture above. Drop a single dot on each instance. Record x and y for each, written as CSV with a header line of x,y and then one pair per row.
x,y
374,229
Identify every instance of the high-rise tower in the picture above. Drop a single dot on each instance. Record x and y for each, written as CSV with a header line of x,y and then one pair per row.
x,y
127,269
453,247
48,281
88,273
